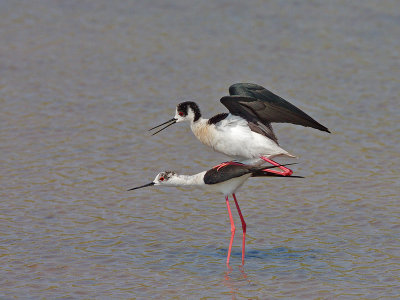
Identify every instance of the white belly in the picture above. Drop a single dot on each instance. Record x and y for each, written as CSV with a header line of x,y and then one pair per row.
x,y
236,140
233,137
228,187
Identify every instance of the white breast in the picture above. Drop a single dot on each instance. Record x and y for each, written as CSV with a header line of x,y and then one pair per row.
x,y
203,132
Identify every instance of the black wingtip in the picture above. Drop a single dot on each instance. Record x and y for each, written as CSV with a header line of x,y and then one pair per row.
x,y
322,127
316,125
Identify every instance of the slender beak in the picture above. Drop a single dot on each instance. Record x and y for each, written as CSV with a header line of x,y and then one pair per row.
x,y
142,186
169,122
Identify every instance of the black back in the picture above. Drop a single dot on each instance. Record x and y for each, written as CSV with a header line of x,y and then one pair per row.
x,y
218,175
217,118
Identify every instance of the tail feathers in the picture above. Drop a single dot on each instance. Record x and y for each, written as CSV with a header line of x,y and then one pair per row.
x,y
291,155
262,173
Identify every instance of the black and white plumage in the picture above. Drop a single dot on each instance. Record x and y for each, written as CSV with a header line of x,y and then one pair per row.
x,y
226,179
261,107
244,134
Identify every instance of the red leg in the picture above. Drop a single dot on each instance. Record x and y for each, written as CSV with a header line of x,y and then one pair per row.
x,y
227,163
286,171
232,230
243,227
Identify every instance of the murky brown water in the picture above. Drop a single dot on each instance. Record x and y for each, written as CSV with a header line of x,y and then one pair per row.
x,y
82,81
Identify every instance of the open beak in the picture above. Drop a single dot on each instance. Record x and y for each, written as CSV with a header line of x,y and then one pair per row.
x,y
142,186
169,122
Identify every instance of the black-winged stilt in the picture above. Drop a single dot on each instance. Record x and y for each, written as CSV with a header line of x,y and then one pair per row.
x,y
226,179
245,134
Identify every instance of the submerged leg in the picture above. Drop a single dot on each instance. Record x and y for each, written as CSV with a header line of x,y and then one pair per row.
x,y
285,171
243,227
232,230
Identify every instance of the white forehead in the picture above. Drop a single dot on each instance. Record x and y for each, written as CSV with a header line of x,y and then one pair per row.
x,y
166,175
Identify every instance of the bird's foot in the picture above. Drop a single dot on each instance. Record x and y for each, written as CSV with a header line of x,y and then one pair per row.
x,y
285,171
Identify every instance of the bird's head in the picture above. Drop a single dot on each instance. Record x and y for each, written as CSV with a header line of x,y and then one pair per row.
x,y
163,178
185,112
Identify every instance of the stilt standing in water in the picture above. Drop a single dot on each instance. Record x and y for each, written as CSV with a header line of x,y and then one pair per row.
x,y
226,179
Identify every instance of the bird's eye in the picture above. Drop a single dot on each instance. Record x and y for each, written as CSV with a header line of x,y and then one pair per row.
x,y
181,113
161,179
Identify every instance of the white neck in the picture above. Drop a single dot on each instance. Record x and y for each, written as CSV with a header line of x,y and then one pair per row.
x,y
187,180
200,122
202,131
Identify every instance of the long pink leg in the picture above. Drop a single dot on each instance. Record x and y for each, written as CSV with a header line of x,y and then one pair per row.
x,y
286,171
232,230
221,165
243,227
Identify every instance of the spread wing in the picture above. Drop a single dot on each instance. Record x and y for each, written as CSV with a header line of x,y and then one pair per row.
x,y
238,106
254,102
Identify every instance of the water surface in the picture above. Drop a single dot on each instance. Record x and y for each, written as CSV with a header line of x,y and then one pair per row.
x,y
81,82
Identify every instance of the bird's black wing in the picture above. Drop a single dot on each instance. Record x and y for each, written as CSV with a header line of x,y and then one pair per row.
x,y
250,100
238,106
217,175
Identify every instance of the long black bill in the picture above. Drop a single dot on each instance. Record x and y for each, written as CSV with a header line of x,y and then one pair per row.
x,y
169,122
142,186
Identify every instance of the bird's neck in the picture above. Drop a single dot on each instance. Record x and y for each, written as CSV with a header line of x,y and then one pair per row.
x,y
188,180
198,123
202,131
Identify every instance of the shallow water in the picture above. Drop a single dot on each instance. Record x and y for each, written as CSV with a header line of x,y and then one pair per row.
x,y
81,82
